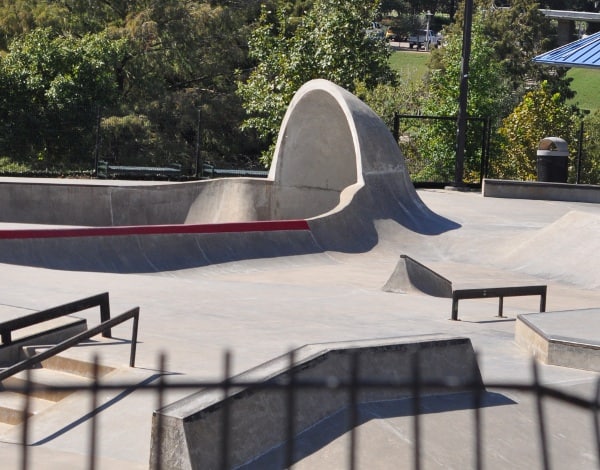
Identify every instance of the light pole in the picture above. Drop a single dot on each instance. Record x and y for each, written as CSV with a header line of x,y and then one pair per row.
x,y
461,123
427,35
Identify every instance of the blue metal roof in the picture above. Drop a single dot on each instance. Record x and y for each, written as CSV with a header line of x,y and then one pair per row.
x,y
584,52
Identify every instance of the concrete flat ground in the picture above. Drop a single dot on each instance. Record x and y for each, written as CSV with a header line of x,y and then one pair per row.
x,y
259,309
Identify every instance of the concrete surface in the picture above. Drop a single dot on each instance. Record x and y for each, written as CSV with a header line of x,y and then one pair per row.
x,y
568,339
541,190
187,434
259,301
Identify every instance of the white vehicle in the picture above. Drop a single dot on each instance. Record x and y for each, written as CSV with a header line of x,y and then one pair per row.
x,y
423,38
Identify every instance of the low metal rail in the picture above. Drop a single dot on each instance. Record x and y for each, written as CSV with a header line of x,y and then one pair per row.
x,y
500,292
99,300
28,363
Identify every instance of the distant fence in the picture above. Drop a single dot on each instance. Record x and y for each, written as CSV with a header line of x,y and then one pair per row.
x,y
429,166
75,143
437,166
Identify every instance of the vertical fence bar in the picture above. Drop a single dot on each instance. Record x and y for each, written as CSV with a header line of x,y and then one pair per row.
x,y
158,443
596,421
541,418
94,406
353,417
416,390
225,422
25,430
477,399
291,409
579,153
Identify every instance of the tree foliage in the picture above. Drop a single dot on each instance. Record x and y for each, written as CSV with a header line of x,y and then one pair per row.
x,y
329,42
46,80
541,113
166,63
488,90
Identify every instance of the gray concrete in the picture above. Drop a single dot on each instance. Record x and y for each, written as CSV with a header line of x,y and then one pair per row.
x,y
260,302
541,190
187,433
568,338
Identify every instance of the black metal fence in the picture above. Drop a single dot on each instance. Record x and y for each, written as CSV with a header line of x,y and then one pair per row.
x,y
474,392
437,164
75,142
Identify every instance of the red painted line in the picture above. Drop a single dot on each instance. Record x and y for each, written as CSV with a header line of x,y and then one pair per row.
x,y
232,227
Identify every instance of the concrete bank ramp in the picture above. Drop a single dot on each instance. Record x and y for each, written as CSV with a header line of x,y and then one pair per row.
x,y
336,167
567,250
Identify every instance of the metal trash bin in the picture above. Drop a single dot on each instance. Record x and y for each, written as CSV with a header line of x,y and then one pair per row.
x,y
552,160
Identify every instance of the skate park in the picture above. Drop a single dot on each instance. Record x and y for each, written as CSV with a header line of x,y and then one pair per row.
x,y
259,267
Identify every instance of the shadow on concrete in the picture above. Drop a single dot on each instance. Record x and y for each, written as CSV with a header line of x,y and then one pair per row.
x,y
330,429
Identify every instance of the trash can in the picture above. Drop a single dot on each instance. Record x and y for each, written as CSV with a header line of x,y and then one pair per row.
x,y
552,160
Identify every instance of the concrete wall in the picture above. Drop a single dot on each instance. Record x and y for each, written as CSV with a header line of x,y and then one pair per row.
x,y
541,190
187,434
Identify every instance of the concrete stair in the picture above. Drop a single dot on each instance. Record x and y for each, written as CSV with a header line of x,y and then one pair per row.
x,y
58,370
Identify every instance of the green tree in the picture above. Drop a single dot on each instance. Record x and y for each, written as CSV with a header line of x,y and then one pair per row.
x,y
590,165
173,76
518,34
488,92
541,113
329,42
50,86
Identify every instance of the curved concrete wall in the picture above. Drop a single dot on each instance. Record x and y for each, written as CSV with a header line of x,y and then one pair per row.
x,y
336,165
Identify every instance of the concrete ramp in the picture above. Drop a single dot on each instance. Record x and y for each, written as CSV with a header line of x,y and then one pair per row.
x,y
412,276
336,167
567,250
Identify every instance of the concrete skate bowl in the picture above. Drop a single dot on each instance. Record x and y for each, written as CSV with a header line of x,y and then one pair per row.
x,y
337,171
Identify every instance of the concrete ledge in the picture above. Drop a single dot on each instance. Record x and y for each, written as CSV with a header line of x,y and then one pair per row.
x,y
539,190
567,339
191,430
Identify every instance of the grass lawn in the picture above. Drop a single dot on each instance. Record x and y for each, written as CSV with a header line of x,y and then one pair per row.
x,y
410,65
586,82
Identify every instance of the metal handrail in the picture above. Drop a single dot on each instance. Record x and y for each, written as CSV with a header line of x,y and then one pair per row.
x,y
101,300
66,344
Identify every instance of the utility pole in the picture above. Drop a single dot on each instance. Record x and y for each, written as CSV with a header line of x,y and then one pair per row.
x,y
461,124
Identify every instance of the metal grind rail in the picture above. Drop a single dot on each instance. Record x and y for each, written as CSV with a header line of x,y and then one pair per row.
x,y
353,386
99,300
103,327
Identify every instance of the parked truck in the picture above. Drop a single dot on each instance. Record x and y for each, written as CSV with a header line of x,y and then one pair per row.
x,y
423,38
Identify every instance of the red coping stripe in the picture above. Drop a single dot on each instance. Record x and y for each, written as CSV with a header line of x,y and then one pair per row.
x,y
260,226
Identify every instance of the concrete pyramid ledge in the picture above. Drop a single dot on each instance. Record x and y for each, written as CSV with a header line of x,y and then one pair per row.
x,y
187,433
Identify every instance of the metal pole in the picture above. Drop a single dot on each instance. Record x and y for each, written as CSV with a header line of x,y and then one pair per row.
x,y
464,90
97,147
579,153
197,151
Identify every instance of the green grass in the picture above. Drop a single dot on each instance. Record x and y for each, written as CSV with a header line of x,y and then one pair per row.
x,y
410,65
586,82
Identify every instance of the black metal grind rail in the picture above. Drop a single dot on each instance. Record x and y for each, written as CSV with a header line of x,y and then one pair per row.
x,y
99,300
74,340
500,293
